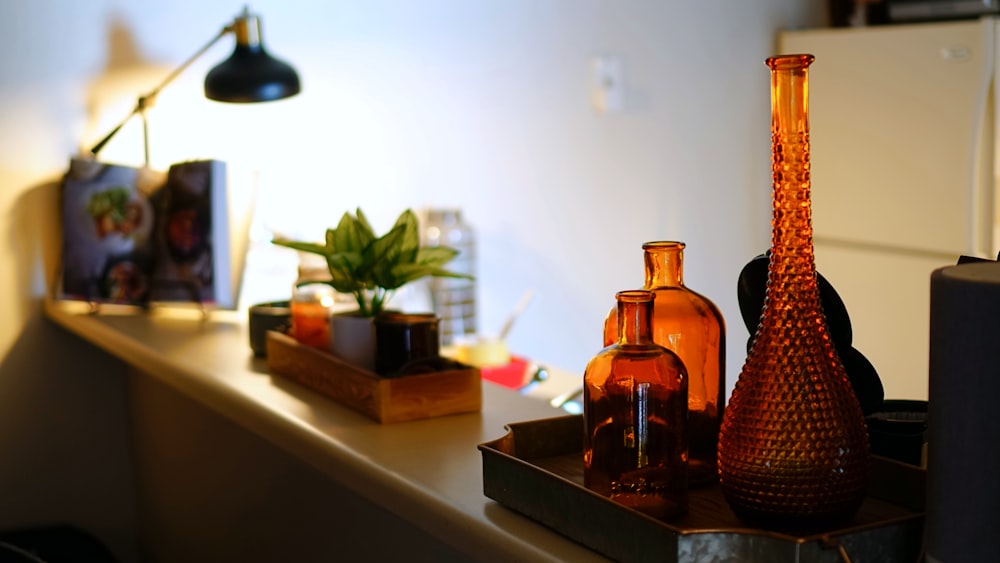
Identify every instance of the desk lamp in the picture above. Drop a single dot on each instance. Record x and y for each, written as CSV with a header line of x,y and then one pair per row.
x,y
249,75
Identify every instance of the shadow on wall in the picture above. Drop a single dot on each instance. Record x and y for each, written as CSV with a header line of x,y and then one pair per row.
x,y
35,228
111,95
64,425
34,238
35,232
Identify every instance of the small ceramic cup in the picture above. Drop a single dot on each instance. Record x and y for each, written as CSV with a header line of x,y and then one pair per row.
x,y
401,339
274,315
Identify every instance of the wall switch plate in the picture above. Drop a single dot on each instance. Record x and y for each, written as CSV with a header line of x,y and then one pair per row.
x,y
607,84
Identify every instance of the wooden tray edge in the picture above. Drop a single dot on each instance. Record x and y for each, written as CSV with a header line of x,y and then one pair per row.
x,y
382,399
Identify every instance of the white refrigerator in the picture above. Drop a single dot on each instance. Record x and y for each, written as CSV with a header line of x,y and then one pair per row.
x,y
904,174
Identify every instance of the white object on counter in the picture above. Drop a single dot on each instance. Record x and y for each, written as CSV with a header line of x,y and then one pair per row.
x,y
482,351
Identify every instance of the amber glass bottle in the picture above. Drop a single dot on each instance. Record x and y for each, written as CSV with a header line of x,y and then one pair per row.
x,y
793,449
692,326
635,416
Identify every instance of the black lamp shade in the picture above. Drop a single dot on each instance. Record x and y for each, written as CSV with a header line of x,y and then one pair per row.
x,y
251,75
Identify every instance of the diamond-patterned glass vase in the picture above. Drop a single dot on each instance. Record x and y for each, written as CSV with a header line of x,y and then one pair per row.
x,y
793,449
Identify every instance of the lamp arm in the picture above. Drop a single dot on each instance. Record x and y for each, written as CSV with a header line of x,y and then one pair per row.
x,y
146,101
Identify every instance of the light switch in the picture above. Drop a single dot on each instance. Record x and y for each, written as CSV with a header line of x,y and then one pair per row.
x,y
607,84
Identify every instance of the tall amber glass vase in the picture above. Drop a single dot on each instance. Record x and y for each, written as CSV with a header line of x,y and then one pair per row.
x,y
793,449
691,325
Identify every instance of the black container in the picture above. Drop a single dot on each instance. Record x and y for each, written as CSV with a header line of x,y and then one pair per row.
x,y
405,342
963,460
263,317
898,430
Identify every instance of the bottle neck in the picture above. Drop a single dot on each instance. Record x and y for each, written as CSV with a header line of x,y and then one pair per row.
x,y
635,310
664,264
792,285
791,234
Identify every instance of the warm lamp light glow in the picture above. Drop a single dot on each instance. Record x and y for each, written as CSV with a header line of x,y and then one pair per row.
x,y
249,75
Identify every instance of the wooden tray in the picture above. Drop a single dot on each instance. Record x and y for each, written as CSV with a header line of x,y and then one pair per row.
x,y
537,470
385,400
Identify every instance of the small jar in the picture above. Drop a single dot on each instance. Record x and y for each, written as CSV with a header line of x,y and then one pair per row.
x,y
311,307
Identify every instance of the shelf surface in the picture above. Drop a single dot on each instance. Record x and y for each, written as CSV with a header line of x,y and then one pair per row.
x,y
428,472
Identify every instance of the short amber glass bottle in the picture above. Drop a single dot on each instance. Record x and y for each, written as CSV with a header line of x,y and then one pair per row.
x,y
691,325
635,417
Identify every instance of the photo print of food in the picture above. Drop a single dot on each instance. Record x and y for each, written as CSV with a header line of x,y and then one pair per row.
x,y
137,236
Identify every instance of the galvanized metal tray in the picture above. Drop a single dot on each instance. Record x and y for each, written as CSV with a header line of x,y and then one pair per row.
x,y
537,469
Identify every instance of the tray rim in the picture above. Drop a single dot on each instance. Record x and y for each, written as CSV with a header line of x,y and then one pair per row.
x,y
492,447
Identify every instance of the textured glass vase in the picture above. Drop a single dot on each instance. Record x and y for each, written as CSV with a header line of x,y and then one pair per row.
x,y
635,416
793,450
692,326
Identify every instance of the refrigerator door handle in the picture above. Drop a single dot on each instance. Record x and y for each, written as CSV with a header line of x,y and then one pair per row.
x,y
985,157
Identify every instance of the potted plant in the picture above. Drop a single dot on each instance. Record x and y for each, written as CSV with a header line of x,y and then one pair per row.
x,y
371,268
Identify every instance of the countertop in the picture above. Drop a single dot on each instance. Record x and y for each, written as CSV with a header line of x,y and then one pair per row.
x,y
428,472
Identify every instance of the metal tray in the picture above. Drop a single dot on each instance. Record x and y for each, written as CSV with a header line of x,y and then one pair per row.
x,y
537,469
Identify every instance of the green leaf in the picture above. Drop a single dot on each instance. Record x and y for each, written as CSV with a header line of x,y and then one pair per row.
x,y
409,245
340,238
331,241
351,235
435,255
443,273
381,256
406,273
309,247
364,226
342,267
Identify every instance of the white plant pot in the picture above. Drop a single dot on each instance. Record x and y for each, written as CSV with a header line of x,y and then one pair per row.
x,y
352,339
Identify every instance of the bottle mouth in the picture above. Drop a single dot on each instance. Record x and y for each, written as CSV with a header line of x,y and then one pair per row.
x,y
635,296
790,62
663,244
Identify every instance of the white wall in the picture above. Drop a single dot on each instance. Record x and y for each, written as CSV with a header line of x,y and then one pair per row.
x,y
485,106
482,104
